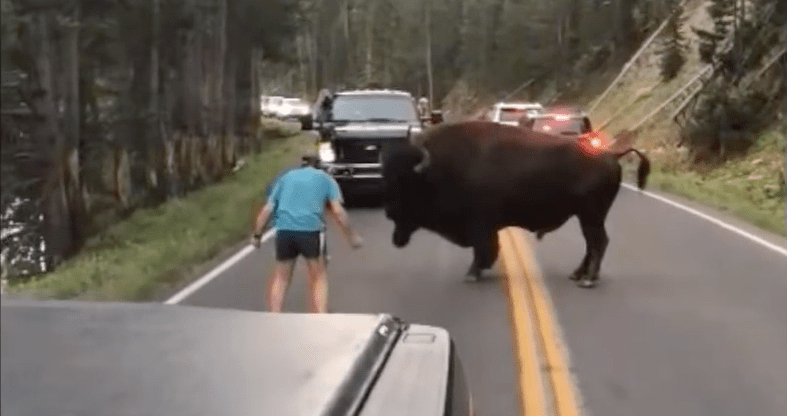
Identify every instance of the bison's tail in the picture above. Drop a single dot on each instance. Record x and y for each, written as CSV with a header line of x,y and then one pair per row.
x,y
644,166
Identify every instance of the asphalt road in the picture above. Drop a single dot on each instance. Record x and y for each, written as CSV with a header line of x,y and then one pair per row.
x,y
690,319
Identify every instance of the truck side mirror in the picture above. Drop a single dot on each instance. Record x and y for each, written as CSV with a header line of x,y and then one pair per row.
x,y
307,122
437,117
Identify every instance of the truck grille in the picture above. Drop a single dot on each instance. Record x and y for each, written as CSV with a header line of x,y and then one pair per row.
x,y
364,150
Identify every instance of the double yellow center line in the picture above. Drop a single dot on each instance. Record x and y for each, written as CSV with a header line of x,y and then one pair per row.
x,y
546,384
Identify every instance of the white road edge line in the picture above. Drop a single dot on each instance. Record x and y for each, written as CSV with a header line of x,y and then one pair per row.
x,y
221,268
720,223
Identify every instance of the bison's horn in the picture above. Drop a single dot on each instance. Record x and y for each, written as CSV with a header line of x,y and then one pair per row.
x,y
424,162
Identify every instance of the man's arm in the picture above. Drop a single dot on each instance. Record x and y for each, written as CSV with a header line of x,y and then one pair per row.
x,y
342,218
262,218
334,199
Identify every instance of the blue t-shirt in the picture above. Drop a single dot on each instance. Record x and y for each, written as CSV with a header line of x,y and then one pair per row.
x,y
299,198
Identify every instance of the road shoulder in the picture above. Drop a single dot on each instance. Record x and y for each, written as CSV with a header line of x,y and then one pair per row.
x,y
716,213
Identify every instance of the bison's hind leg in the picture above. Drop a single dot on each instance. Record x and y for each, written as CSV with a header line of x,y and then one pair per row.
x,y
596,240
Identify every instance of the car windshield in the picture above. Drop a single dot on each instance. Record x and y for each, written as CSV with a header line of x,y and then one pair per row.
x,y
513,114
374,108
552,126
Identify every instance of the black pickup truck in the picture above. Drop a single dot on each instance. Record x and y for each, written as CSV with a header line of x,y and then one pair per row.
x,y
96,358
357,127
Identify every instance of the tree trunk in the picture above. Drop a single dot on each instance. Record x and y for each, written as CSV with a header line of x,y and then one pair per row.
x,y
75,182
299,46
191,86
221,61
231,146
57,237
314,60
428,30
155,140
47,80
203,80
368,68
464,36
348,47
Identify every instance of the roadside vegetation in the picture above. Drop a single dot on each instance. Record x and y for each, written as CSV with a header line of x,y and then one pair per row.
x,y
113,106
721,140
156,247
750,186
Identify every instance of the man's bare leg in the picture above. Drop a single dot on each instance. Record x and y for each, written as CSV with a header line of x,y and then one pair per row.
x,y
279,282
318,284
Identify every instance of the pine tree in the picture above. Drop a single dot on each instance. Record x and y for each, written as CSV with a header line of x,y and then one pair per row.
x,y
674,45
722,13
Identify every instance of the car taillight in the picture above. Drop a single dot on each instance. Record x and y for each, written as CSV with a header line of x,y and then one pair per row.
x,y
595,139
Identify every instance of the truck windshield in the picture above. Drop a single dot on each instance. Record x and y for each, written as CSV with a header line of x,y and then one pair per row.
x,y
373,108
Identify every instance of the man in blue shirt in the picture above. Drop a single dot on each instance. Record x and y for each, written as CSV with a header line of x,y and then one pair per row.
x,y
297,203
312,161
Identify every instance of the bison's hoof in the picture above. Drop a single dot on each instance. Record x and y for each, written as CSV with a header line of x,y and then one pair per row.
x,y
400,241
575,276
473,275
469,278
586,283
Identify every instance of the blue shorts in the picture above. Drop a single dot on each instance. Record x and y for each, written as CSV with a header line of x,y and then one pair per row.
x,y
291,244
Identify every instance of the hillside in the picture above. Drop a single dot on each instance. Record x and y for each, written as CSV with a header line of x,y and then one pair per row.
x,y
752,186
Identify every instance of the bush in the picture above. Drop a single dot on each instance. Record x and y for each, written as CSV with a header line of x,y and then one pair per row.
x,y
725,123
277,129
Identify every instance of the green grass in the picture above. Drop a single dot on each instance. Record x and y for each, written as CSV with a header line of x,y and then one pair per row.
x,y
155,247
750,187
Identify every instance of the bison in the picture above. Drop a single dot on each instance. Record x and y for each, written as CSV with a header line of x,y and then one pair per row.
x,y
466,181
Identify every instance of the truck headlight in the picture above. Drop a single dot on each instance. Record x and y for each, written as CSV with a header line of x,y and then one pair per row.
x,y
326,152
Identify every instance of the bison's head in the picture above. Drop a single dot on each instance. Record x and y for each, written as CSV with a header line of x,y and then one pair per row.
x,y
405,190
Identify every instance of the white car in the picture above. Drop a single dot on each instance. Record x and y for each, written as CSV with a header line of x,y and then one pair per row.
x,y
274,103
293,108
510,113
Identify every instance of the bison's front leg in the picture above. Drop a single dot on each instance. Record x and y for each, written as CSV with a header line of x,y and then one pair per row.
x,y
402,234
485,251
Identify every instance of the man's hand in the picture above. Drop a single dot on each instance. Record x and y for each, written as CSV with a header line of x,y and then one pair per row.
x,y
356,241
256,240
